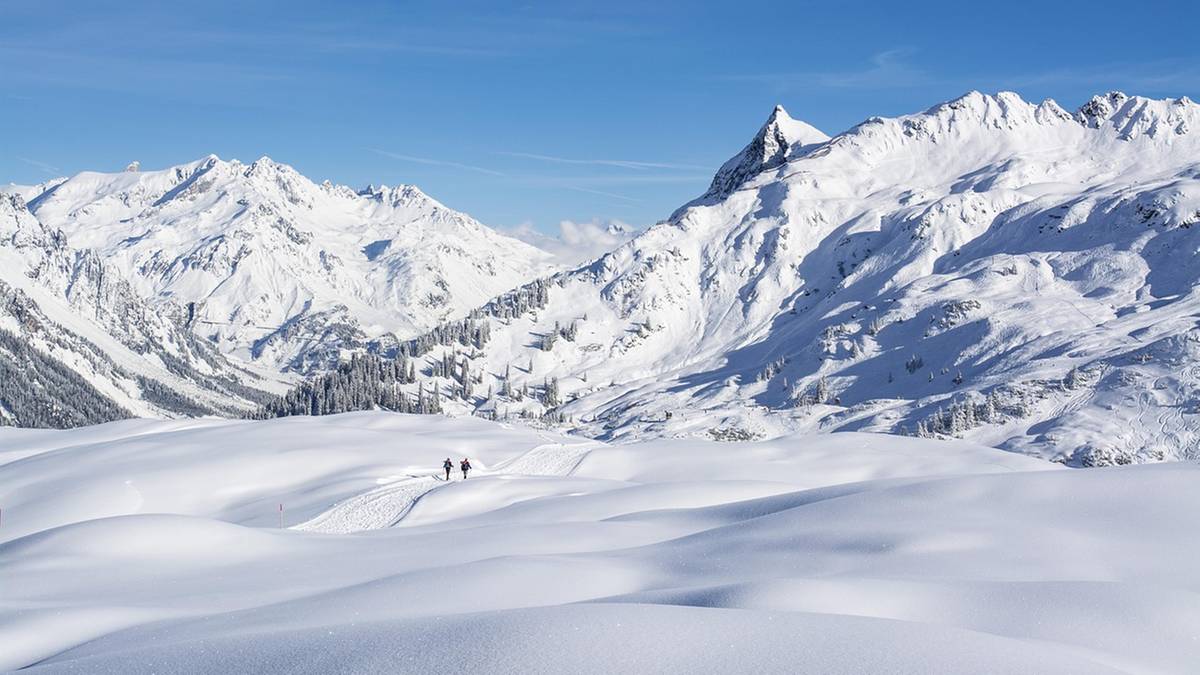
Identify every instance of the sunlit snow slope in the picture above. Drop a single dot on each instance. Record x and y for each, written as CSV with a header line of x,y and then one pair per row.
x,y
78,345
145,546
279,269
989,268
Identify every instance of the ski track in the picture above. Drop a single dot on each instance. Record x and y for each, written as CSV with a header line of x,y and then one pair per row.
x,y
387,505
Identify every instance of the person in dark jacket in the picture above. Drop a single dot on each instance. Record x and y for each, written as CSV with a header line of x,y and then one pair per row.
x,y
466,466
447,465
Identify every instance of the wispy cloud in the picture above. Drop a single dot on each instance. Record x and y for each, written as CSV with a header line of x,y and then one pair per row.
x,y
621,163
602,193
627,179
559,182
1174,76
438,162
324,37
585,184
48,168
885,70
893,68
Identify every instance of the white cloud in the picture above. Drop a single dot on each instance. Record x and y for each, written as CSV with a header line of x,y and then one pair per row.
x,y
577,242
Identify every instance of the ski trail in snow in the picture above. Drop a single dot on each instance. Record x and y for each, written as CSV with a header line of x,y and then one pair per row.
x,y
548,460
372,510
387,505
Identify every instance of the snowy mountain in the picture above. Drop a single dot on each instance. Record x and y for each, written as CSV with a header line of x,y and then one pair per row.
x,y
79,346
281,271
990,268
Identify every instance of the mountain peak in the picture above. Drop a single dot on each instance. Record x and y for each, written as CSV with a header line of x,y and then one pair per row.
x,y
1100,107
771,147
1002,109
1134,116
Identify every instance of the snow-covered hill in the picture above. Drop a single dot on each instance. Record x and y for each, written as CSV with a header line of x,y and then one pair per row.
x,y
159,546
282,271
78,345
991,268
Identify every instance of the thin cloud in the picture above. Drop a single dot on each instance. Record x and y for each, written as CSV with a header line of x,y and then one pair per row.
x,y
324,38
1172,76
638,179
887,69
437,162
602,193
622,163
48,168
892,69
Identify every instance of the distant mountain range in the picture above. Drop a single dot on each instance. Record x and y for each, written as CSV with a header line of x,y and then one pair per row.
x,y
991,268
279,270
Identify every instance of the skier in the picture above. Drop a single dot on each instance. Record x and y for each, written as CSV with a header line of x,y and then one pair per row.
x,y
447,465
466,466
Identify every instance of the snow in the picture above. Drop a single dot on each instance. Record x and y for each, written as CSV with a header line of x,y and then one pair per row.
x,y
208,467
75,308
264,252
1008,246
154,546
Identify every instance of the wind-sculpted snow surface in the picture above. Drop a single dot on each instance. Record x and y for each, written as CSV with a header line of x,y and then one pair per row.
x,y
992,269
144,546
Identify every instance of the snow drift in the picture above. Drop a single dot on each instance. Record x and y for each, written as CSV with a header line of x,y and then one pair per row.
x,y
831,553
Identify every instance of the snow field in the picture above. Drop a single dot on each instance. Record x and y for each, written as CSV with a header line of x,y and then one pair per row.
x,y
836,553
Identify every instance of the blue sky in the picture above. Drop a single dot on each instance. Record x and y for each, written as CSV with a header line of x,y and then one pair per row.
x,y
532,113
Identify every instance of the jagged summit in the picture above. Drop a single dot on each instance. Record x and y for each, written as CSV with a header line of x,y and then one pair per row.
x,y
1130,116
1133,116
778,139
